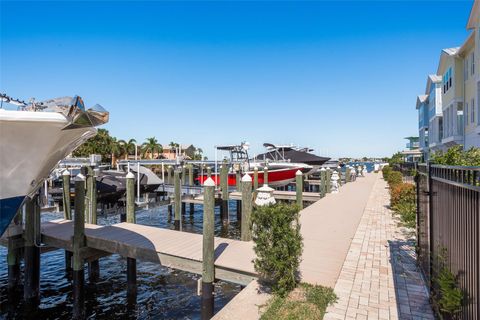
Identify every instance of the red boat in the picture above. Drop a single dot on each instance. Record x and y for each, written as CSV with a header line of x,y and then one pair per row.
x,y
276,177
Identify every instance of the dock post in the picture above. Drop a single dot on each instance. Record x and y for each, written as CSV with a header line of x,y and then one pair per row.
x,y
255,180
209,172
339,169
184,175
265,176
208,274
13,256
299,188
246,233
192,208
78,243
31,291
323,182
93,266
224,188
178,199
328,179
347,174
67,213
190,175
169,174
131,263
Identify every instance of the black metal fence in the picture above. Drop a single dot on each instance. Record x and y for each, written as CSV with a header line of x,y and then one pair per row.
x,y
448,220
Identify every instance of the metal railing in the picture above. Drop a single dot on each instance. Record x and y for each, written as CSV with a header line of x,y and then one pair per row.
x,y
448,221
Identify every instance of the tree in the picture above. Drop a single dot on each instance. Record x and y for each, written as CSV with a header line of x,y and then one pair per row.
x,y
151,146
100,144
397,158
128,147
198,155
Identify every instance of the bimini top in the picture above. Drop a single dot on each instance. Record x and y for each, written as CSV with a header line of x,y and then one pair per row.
x,y
292,154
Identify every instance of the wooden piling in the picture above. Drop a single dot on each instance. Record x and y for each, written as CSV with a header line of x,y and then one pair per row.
x,y
299,188
131,263
190,175
184,175
91,200
192,208
177,199
209,172
31,291
265,175
170,174
246,233
328,180
208,274
339,170
323,182
224,188
347,174
78,244
13,256
255,180
67,213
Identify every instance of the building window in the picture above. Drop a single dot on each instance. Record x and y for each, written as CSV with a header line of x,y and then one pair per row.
x,y
472,106
466,112
465,69
472,58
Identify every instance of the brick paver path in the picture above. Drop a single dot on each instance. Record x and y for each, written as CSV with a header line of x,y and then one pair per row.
x,y
379,278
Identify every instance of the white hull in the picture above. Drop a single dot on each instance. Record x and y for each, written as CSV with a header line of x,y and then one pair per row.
x,y
31,145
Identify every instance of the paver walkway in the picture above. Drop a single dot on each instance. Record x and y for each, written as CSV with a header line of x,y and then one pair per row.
x,y
379,278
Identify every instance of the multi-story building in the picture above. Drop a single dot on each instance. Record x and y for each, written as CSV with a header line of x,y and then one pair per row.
x,y
470,51
423,132
412,152
450,69
435,114
452,96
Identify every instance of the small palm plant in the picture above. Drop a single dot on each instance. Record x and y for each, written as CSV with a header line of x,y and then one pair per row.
x,y
150,146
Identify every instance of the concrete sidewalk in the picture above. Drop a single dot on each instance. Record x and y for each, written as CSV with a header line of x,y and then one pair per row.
x,y
328,227
379,278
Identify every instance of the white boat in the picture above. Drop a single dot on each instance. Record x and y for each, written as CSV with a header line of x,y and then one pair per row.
x,y
33,139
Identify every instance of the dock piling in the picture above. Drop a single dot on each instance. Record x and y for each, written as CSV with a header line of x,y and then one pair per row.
x,y
31,291
265,176
299,188
328,179
131,263
177,199
255,179
78,244
93,266
246,234
323,182
208,274
224,188
13,253
67,213
190,175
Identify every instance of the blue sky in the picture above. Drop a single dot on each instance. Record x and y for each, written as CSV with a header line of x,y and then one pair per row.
x,y
341,77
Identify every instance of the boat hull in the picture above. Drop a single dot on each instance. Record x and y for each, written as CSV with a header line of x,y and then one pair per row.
x,y
31,145
276,178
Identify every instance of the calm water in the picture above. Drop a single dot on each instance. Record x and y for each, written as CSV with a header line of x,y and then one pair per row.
x,y
163,293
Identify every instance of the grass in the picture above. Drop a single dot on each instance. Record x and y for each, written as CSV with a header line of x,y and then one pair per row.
x,y
306,302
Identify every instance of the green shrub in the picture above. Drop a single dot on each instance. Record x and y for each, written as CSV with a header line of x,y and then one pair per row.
x,y
386,172
394,178
448,297
278,245
408,213
402,192
456,156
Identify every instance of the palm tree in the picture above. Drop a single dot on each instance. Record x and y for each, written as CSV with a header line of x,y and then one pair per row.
x,y
128,147
151,146
116,150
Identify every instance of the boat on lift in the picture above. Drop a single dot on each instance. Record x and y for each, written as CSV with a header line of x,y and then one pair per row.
x,y
280,173
34,137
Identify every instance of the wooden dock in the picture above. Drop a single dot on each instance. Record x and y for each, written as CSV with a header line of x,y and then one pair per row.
x,y
169,248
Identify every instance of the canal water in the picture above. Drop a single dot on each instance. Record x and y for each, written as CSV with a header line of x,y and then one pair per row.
x,y
163,293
